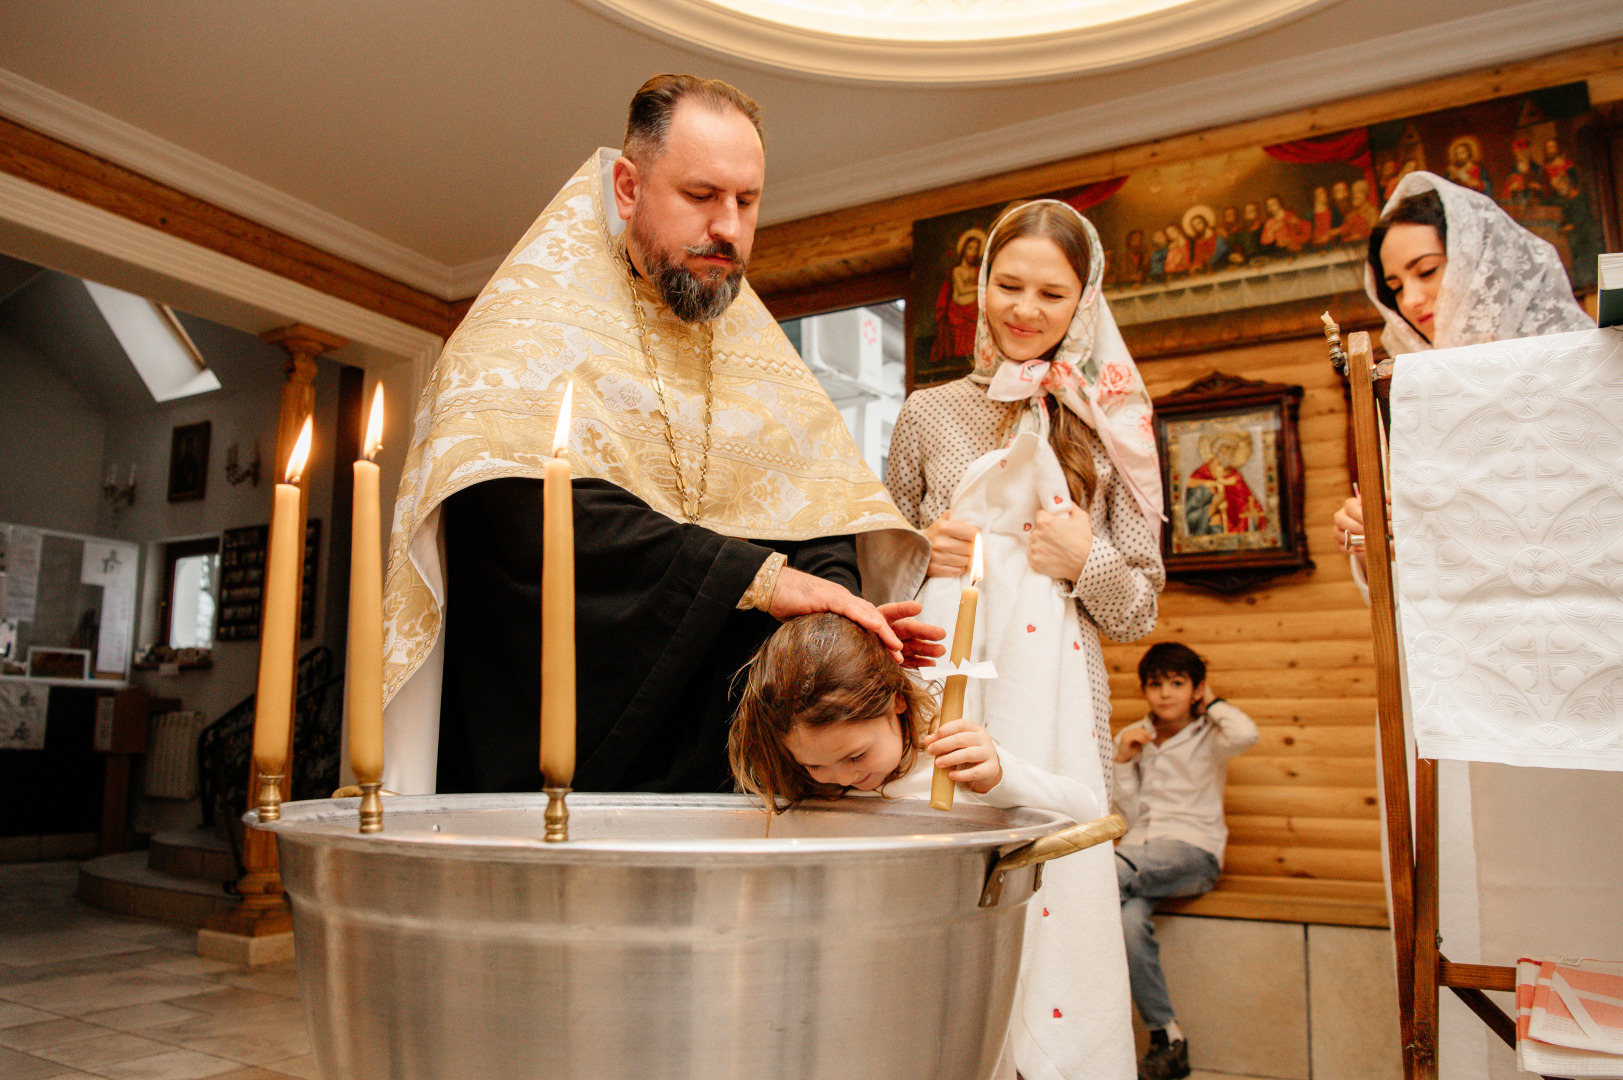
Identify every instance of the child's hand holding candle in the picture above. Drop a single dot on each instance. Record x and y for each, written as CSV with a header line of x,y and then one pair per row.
x,y
965,754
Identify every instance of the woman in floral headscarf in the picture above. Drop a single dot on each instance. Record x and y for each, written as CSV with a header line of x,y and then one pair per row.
x,y
1054,396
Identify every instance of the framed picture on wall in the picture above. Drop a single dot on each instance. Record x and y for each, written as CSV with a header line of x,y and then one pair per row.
x,y
189,462
1231,469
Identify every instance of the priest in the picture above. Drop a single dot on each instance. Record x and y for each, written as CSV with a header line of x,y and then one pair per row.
x,y
716,488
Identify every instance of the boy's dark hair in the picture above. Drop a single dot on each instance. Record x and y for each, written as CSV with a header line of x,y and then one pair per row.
x,y
1170,658
1424,208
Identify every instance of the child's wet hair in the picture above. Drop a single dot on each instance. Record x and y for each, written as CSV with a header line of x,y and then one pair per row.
x,y
1170,658
816,670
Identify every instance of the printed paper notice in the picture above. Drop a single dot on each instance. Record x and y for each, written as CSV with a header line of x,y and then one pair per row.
x,y
22,715
22,573
117,615
108,563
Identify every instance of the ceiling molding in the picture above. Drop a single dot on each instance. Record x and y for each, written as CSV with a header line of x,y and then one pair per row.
x,y
1476,41
469,278
66,219
942,44
95,132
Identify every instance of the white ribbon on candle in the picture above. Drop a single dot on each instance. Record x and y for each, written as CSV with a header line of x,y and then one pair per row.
x,y
985,669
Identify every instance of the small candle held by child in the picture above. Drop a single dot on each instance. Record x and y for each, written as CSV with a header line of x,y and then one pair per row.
x,y
952,698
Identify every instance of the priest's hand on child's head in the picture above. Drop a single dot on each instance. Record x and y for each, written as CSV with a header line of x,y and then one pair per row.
x,y
798,593
968,754
1060,543
952,545
919,638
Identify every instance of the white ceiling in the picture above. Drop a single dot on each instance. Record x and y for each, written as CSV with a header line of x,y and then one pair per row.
x,y
421,138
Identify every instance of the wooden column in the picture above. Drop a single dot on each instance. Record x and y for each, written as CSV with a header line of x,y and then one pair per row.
x,y
264,909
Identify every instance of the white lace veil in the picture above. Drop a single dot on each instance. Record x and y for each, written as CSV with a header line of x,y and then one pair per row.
x,y
1501,282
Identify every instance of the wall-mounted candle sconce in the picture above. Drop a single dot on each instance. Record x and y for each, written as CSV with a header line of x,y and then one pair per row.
x,y
118,495
235,473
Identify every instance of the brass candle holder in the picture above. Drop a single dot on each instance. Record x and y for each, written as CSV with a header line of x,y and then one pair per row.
x,y
557,818
371,808
270,797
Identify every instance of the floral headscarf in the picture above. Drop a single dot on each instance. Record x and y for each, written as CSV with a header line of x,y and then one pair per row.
x,y
1091,373
1501,282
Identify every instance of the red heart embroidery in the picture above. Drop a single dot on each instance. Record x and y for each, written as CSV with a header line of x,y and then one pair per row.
x,y
1003,464
1056,1014
1030,629
1057,500
1026,527
1077,646
1045,913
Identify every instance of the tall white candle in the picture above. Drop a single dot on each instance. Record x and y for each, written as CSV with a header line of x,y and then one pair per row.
x,y
278,641
558,610
366,611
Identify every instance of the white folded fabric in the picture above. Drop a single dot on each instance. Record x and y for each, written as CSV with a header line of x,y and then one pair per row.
x,y
1507,503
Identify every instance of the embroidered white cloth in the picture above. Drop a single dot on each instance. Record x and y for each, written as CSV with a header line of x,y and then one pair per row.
x,y
1507,502
1071,1015
1569,1017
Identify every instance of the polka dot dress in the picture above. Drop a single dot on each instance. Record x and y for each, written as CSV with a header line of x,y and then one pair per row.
x,y
943,429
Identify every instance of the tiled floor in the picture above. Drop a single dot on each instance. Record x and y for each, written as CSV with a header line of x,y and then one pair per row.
x,y
88,994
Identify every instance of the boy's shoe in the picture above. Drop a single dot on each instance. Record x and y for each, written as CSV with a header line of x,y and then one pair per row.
x,y
1165,1061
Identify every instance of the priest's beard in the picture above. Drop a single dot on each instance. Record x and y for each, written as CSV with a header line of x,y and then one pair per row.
x,y
692,298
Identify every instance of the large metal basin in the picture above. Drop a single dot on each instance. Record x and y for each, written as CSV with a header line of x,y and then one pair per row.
x,y
669,938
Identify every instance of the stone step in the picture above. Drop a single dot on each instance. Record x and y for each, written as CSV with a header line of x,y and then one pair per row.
x,y
126,884
192,853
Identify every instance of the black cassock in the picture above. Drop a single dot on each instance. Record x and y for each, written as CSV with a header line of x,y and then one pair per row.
x,y
658,639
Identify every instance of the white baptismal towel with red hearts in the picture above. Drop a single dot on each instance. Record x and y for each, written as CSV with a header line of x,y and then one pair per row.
x,y
1072,1018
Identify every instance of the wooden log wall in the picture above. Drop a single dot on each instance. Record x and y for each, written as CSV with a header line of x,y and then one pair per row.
x,y
1295,653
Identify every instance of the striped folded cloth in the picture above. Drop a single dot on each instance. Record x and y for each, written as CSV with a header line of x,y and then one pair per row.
x,y
1569,1017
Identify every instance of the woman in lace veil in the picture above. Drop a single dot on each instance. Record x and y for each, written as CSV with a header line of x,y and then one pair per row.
x,y
1498,280
1447,267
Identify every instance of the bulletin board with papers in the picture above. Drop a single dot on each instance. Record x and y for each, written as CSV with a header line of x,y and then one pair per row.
x,y
67,605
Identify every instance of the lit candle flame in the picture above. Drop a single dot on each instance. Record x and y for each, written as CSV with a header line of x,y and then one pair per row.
x,y
301,453
975,563
560,438
374,426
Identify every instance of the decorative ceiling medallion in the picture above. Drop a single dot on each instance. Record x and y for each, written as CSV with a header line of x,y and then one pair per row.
x,y
950,42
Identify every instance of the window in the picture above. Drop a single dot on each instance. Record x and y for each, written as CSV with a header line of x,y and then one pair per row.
x,y
186,608
857,356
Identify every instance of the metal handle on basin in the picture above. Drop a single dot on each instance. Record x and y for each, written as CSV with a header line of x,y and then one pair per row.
x,y
1064,842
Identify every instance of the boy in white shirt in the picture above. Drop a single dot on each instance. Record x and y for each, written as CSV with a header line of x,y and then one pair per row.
x,y
1170,771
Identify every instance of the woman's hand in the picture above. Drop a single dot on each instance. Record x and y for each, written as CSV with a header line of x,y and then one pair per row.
x,y
1350,522
1060,543
918,638
968,754
1131,743
952,545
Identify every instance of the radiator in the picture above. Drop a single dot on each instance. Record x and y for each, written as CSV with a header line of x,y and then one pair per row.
x,y
171,766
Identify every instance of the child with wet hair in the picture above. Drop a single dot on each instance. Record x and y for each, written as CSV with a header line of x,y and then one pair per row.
x,y
827,711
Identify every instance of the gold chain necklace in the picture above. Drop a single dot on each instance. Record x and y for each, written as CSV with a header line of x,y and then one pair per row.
x,y
691,511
